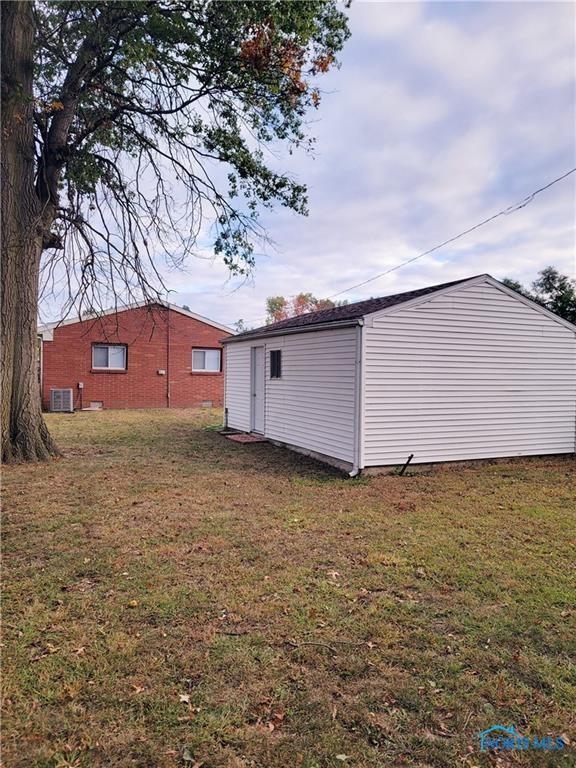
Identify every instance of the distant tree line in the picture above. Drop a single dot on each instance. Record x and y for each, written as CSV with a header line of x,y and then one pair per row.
x,y
551,289
281,308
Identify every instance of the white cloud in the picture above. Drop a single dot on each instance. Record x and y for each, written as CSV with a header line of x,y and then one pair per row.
x,y
382,20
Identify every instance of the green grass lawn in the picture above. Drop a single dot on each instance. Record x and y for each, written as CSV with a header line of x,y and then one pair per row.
x,y
172,598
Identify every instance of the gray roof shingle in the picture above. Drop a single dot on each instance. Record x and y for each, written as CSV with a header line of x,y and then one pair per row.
x,y
339,314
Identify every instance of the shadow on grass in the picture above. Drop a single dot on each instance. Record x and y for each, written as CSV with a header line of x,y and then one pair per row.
x,y
259,458
188,437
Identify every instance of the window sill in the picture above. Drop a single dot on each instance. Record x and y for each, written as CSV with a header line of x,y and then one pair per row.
x,y
206,373
108,370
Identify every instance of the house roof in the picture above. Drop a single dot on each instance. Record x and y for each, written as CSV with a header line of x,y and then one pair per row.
x,y
49,327
342,314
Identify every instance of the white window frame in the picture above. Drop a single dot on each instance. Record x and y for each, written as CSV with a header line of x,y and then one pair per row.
x,y
109,367
207,370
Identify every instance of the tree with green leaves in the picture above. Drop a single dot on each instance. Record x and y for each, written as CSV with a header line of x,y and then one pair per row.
x,y
128,128
551,289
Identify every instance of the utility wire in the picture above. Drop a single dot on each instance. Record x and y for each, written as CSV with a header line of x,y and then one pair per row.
x,y
505,212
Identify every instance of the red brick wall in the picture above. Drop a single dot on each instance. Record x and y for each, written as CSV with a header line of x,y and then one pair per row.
x,y
67,360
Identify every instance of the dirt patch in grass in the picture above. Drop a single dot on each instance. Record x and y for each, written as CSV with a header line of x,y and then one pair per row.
x,y
174,599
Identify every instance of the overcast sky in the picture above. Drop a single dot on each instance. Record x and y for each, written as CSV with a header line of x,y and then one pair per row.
x,y
441,114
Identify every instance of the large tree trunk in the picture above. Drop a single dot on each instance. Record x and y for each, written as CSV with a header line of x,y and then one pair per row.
x,y
24,432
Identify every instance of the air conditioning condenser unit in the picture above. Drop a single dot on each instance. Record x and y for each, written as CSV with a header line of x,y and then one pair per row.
x,y
61,401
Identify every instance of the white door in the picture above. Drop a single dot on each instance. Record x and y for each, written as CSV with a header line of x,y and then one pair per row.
x,y
258,374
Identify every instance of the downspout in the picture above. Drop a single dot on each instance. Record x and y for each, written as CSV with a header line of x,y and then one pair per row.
x,y
358,409
168,356
41,367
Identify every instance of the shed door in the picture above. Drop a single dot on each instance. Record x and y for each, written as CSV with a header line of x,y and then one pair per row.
x,y
258,373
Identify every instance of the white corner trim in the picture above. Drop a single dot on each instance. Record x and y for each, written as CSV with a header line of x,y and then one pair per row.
x,y
361,398
357,402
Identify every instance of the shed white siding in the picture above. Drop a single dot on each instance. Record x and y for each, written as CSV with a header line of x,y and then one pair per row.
x,y
473,373
312,405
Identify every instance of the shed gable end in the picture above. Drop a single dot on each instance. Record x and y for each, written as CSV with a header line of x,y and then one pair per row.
x,y
485,281
470,372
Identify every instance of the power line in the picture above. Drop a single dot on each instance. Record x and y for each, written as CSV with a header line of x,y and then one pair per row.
x,y
504,212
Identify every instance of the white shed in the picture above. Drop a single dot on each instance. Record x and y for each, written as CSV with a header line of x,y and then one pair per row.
x,y
464,370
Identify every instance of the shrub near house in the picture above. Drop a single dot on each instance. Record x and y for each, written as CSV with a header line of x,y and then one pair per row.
x,y
145,356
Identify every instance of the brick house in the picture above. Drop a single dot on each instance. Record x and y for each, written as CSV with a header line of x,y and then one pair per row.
x,y
148,355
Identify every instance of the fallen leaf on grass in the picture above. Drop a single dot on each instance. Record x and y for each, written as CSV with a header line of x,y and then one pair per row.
x,y
184,698
276,720
48,651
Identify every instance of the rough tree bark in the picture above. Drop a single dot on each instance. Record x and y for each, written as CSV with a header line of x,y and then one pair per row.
x,y
24,432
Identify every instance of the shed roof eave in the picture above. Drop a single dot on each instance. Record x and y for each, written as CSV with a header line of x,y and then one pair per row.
x,y
328,326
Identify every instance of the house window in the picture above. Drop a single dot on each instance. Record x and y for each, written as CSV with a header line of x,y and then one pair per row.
x,y
209,360
109,357
276,364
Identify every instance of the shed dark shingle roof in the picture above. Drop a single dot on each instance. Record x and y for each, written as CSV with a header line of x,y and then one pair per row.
x,y
340,314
